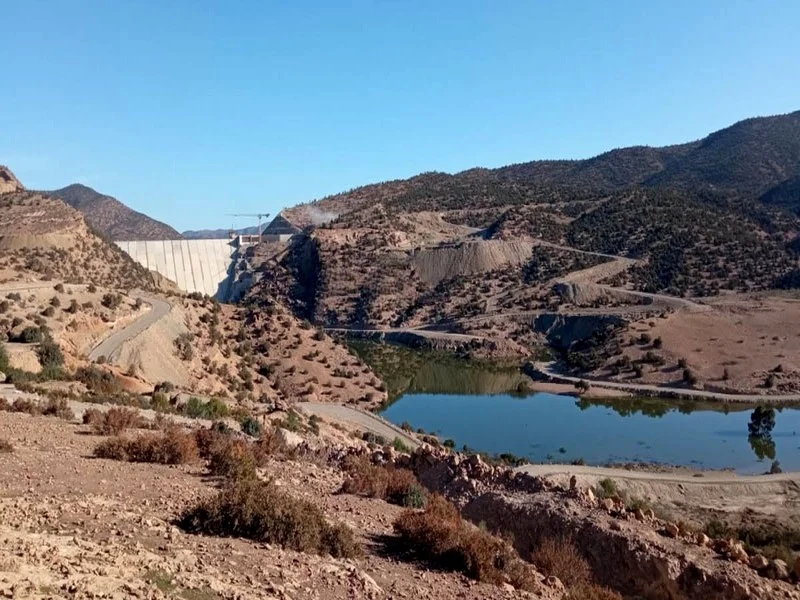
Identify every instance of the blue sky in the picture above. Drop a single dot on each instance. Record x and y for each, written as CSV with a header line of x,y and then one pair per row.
x,y
191,109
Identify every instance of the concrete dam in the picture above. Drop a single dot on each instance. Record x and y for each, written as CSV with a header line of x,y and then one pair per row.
x,y
204,266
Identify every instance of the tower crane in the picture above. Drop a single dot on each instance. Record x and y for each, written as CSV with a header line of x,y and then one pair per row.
x,y
259,215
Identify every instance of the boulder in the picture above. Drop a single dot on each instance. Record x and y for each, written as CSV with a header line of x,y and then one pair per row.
x,y
777,569
758,562
739,554
701,539
671,530
288,439
573,482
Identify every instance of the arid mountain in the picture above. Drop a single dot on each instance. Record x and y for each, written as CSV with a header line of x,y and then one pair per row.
x,y
695,220
42,237
112,218
750,158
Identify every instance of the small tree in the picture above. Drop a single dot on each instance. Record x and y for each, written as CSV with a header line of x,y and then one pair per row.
x,y
689,377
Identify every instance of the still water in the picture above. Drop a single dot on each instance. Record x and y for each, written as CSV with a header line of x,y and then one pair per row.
x,y
551,428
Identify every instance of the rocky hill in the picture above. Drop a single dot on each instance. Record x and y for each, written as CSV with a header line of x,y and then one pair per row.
x,y
8,182
749,158
42,237
112,218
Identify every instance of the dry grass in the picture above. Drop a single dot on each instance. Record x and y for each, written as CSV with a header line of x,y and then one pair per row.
x,y
590,591
59,408
398,486
259,511
172,447
440,536
114,421
560,557
5,446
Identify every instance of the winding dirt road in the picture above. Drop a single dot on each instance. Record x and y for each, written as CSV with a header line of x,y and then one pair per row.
x,y
362,419
158,309
547,370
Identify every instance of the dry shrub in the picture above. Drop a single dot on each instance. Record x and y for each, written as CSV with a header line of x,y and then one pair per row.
x,y
27,406
172,447
234,458
257,510
5,446
440,536
560,557
59,408
398,486
92,416
590,591
116,420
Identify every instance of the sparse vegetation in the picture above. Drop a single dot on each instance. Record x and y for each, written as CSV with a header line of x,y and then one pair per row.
x,y
114,421
6,447
439,535
398,486
259,511
560,557
171,447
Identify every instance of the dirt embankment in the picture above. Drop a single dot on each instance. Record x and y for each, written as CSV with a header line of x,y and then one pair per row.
x,y
469,258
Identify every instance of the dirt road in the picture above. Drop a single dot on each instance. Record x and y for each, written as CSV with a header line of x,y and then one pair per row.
x,y
547,370
710,477
158,309
362,419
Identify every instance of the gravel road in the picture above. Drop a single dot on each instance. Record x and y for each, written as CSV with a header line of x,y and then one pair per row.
x,y
158,309
362,419
643,388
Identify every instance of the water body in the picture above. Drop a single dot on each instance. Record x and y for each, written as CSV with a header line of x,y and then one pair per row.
x,y
486,410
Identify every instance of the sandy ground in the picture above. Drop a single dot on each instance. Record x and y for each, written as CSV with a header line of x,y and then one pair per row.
x,y
75,526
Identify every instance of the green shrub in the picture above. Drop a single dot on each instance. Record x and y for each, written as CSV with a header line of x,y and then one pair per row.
x,y
251,426
50,355
213,409
259,511
401,446
98,381
606,488
31,335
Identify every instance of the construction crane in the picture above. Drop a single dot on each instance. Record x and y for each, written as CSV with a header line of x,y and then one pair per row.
x,y
259,215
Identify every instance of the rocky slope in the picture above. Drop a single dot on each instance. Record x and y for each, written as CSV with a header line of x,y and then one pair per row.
x,y
41,236
112,218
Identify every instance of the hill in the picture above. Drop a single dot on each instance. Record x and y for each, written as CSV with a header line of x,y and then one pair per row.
x,y
751,158
43,237
111,217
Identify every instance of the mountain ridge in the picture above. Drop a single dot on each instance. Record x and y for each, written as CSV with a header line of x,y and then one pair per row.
x,y
111,217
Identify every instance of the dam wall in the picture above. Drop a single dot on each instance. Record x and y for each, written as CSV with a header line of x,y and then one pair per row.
x,y
204,266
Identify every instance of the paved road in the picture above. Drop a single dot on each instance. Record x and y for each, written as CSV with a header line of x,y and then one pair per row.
x,y
642,388
711,477
158,309
362,419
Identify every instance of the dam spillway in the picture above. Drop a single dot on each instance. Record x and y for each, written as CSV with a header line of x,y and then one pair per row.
x,y
203,266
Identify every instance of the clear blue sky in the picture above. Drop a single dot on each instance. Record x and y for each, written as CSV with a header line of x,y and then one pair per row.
x,y
190,109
